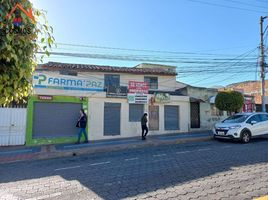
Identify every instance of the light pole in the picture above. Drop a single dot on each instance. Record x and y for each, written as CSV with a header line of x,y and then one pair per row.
x,y
262,63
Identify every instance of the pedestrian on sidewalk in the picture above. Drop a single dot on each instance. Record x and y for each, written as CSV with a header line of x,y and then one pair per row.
x,y
144,126
82,124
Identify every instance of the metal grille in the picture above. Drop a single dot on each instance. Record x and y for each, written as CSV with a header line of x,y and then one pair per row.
x,y
135,112
52,120
112,118
171,117
195,115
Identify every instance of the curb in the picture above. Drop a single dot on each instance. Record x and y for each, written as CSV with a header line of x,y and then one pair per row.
x,y
69,153
50,152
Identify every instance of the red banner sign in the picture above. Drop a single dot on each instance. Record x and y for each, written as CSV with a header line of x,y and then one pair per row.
x,y
138,87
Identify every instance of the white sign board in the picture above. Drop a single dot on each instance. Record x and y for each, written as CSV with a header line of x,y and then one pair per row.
x,y
63,82
137,98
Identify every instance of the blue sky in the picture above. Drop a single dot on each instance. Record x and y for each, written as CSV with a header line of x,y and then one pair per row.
x,y
192,26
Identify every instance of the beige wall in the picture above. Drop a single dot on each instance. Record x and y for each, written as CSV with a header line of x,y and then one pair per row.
x,y
131,129
128,129
167,83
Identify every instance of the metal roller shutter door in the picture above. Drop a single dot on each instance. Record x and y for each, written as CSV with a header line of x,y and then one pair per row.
x,y
55,119
171,117
112,118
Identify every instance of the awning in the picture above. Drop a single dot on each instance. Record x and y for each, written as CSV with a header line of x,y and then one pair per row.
x,y
192,99
212,99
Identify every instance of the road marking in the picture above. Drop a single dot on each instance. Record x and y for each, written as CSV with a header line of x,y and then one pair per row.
x,y
129,159
64,168
159,155
100,163
45,196
182,152
204,149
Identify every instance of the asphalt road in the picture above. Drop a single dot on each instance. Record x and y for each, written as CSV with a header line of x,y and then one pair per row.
x,y
204,170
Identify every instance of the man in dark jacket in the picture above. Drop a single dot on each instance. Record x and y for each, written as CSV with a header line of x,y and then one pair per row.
x,y
82,124
144,126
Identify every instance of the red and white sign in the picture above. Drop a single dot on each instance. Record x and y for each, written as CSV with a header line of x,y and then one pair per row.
x,y
45,97
138,87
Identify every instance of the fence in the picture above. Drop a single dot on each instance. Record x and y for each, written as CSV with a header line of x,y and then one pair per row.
x,y
12,126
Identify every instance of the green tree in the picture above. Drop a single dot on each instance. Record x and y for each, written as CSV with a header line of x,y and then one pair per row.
x,y
231,101
18,47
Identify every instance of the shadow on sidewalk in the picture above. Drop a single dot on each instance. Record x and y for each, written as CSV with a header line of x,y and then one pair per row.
x,y
120,179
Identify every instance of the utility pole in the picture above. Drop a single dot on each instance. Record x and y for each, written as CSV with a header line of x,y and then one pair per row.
x,y
262,63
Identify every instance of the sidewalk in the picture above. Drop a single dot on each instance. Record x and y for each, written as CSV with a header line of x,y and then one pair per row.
x,y
22,153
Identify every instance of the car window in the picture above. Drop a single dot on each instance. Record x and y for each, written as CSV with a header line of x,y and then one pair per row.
x,y
264,117
235,119
256,118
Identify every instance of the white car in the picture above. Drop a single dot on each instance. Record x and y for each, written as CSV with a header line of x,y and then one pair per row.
x,y
242,126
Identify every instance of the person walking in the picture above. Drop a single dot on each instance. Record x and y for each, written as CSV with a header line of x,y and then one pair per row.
x,y
82,124
144,126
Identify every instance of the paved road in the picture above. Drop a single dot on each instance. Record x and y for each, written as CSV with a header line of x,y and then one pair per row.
x,y
204,170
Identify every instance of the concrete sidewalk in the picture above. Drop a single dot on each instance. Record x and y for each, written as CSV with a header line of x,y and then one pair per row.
x,y
22,153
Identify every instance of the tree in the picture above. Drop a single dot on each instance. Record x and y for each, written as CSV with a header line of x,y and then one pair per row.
x,y
20,28
231,101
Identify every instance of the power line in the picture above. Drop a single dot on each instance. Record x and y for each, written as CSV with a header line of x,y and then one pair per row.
x,y
225,6
247,4
139,50
183,57
244,55
136,58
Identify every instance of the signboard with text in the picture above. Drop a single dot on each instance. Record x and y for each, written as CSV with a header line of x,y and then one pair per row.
x,y
138,87
137,98
117,92
64,82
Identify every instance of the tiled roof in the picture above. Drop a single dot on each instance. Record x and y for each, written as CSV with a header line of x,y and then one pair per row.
x,y
101,68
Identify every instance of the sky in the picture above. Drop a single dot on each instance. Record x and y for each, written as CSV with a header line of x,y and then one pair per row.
x,y
211,42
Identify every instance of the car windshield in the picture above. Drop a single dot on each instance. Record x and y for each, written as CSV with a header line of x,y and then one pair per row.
x,y
236,119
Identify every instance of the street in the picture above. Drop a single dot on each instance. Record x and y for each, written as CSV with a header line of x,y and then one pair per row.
x,y
203,170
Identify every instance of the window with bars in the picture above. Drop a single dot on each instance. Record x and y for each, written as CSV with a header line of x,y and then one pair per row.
x,y
152,81
111,80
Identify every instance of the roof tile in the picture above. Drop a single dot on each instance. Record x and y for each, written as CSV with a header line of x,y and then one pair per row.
x,y
101,68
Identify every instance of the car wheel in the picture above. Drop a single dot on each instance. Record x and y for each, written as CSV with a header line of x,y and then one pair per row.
x,y
245,136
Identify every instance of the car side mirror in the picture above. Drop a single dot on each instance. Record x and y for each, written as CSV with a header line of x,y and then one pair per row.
x,y
253,122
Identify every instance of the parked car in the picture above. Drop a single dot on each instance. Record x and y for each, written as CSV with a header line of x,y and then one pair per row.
x,y
242,126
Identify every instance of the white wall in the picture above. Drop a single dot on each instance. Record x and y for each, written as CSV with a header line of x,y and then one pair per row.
x,y
207,121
